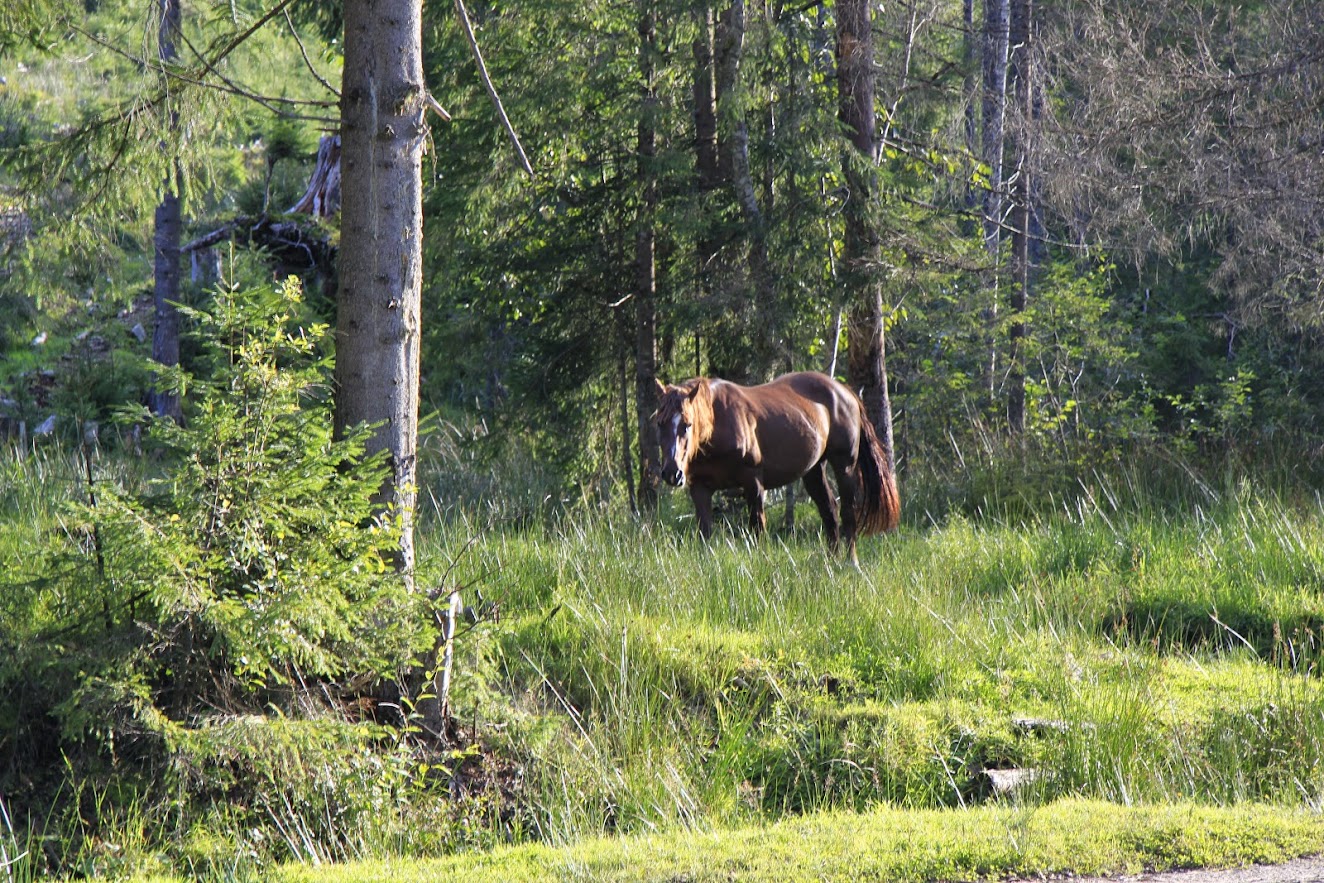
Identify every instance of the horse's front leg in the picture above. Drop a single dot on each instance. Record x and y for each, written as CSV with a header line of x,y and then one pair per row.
x,y
758,521
703,508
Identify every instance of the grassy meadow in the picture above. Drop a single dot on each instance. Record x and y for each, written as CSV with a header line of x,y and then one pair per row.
x,y
1163,655
1136,650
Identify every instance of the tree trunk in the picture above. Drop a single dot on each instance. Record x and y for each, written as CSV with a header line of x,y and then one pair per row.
x,y
627,455
705,103
322,198
996,23
706,163
755,218
866,345
165,242
731,40
969,54
645,268
1021,35
377,329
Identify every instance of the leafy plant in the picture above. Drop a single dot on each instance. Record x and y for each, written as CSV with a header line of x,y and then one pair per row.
x,y
247,569
260,553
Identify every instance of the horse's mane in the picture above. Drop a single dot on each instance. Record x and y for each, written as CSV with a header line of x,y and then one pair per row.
x,y
699,392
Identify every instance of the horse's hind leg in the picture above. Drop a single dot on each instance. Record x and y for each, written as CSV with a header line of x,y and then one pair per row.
x,y
848,484
816,484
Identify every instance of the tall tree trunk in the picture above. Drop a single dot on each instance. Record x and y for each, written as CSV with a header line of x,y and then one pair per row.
x,y
380,267
762,307
165,241
377,330
627,454
1021,35
706,163
731,40
705,102
866,345
751,212
969,52
996,23
645,266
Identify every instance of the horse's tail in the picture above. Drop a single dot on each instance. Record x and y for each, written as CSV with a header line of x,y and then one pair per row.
x,y
878,505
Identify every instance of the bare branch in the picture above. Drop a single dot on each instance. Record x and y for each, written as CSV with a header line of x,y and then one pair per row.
x,y
491,90
436,107
307,61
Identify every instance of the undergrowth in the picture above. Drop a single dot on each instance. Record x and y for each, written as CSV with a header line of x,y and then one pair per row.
x,y
1151,638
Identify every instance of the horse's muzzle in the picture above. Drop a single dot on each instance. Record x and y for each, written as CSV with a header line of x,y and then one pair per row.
x,y
673,476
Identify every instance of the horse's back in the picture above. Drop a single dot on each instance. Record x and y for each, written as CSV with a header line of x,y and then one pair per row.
x,y
842,405
814,386
800,418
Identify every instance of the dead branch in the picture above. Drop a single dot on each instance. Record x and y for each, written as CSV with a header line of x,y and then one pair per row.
x,y
491,90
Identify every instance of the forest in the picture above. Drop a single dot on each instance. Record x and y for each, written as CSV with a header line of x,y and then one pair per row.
x,y
333,532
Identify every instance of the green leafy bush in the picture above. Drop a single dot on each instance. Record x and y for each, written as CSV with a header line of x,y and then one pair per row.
x,y
242,567
258,558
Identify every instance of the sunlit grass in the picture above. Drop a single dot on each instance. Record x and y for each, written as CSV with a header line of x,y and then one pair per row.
x,y
1072,837
641,682
1168,656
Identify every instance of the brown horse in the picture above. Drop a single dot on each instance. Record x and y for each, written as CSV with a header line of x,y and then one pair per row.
x,y
717,435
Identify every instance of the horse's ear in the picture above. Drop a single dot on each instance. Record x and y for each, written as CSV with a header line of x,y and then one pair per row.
x,y
661,387
700,389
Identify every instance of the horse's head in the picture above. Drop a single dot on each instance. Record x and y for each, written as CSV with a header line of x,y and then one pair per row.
x,y
684,423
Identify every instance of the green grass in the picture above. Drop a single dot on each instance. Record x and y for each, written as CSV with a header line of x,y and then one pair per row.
x,y
650,706
1076,837
666,683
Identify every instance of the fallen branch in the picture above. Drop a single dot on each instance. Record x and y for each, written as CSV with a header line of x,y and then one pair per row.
x,y
295,247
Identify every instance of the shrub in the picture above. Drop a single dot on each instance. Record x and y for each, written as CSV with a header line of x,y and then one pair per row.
x,y
248,569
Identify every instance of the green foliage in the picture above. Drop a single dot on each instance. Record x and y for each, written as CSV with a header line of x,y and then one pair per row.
x,y
317,789
244,569
101,129
32,24
236,549
85,143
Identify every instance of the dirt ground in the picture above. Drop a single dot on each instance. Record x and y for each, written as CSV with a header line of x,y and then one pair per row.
x,y
1305,870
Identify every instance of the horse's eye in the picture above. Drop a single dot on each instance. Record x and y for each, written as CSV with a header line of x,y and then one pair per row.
x,y
684,428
